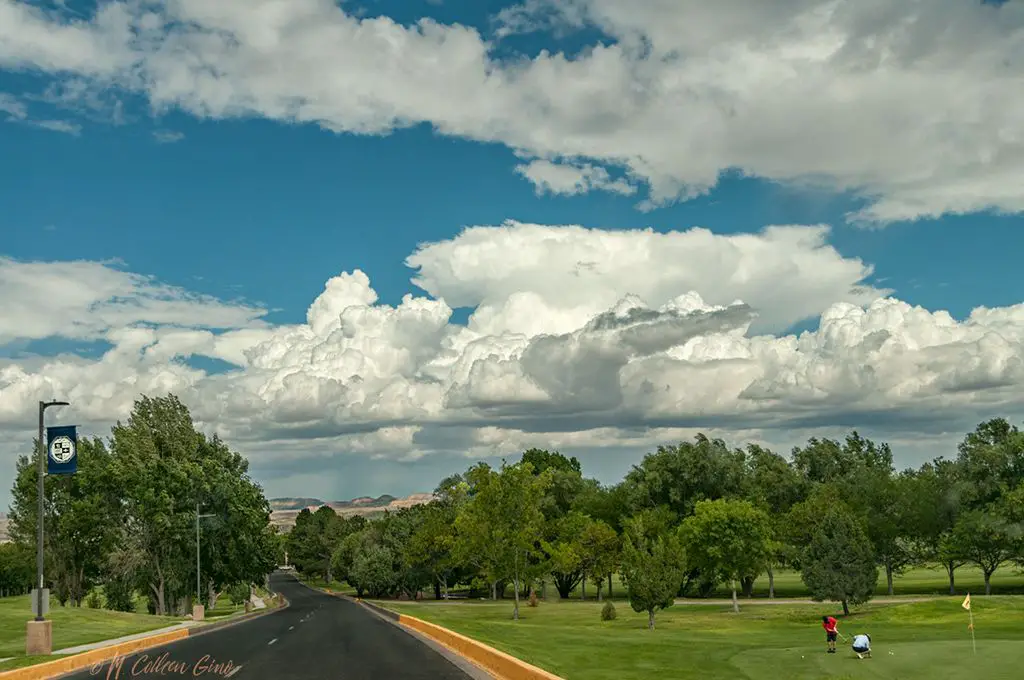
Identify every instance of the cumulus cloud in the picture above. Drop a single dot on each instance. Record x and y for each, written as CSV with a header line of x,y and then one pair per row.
x,y
578,337
913,106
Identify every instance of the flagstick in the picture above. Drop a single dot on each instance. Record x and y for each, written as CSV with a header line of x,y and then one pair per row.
x,y
973,646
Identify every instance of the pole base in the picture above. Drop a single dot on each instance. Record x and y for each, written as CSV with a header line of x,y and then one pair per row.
x,y
198,612
39,638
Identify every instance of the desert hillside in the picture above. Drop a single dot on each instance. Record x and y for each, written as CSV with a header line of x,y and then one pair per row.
x,y
285,510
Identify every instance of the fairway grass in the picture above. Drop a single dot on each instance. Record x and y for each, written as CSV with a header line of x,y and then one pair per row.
x,y
1008,580
72,626
914,640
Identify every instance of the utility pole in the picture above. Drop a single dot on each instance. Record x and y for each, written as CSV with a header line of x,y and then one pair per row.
x,y
198,611
39,635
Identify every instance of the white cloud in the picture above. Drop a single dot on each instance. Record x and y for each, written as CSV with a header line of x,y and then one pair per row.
x,y
86,300
17,112
912,105
586,339
58,126
566,178
13,107
168,136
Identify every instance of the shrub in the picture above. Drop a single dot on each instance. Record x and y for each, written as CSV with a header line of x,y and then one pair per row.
x,y
608,611
533,598
93,601
120,595
239,593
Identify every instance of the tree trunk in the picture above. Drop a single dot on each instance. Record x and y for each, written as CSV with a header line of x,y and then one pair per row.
x,y
747,582
988,582
211,595
735,602
515,609
437,589
544,589
888,577
950,569
444,586
599,584
771,583
330,573
846,609
494,590
583,587
609,584
158,593
650,619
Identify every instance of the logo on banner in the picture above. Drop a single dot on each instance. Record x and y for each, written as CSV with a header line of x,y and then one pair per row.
x,y
62,449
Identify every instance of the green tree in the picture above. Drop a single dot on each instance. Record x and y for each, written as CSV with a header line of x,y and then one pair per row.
x,y
728,538
373,571
774,486
17,569
599,551
839,563
564,552
986,539
677,477
500,523
652,565
432,544
991,462
163,468
80,512
934,498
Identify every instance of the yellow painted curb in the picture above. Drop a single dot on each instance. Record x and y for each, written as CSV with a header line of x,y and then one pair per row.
x,y
77,662
503,666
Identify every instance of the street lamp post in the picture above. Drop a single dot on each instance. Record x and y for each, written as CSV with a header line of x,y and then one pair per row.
x,y
39,638
198,611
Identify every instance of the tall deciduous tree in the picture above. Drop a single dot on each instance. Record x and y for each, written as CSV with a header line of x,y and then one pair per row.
x,y
986,539
677,477
729,538
502,520
164,468
773,485
80,512
935,499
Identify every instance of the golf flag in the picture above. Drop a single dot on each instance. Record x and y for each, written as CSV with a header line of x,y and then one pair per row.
x,y
966,604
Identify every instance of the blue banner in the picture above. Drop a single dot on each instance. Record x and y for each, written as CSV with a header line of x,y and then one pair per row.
x,y
62,450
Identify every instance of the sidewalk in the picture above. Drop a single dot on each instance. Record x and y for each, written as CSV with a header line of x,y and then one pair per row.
x,y
127,638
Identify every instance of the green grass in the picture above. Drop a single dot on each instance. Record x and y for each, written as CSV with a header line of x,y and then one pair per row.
x,y
72,626
926,639
22,661
1008,580
79,626
333,586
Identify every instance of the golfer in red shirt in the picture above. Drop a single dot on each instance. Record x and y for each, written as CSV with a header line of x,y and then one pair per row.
x,y
829,624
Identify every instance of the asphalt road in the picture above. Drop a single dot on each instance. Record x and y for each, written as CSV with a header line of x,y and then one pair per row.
x,y
318,637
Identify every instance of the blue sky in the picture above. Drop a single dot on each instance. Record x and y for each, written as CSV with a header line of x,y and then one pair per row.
x,y
256,208
235,208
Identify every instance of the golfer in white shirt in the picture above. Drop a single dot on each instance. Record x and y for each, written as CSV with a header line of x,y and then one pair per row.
x,y
862,645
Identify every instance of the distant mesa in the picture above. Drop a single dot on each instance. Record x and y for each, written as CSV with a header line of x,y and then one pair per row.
x,y
285,510
294,503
